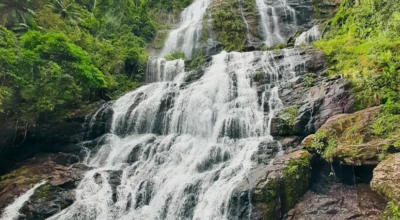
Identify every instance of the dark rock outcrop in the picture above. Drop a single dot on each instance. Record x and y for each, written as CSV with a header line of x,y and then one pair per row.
x,y
271,190
349,138
18,144
62,174
284,183
328,199
386,179
308,108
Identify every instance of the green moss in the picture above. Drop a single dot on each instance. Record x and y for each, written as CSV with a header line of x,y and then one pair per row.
x,y
174,55
309,79
258,77
159,40
361,43
45,191
392,212
296,180
276,47
228,26
271,199
292,113
23,175
197,62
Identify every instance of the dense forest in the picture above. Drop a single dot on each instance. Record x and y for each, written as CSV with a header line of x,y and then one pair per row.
x,y
57,56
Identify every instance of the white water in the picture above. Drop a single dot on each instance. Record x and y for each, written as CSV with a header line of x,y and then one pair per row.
x,y
272,26
309,36
180,152
186,37
12,211
160,70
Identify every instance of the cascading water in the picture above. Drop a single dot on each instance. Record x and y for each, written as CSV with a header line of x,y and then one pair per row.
x,y
278,21
160,70
309,36
12,211
187,36
177,148
178,152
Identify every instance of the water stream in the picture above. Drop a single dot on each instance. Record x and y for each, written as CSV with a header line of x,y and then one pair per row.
x,y
278,21
177,148
179,152
12,211
186,38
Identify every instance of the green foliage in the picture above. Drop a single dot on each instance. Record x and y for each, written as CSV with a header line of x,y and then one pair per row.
x,y
362,43
318,143
258,77
18,14
392,212
296,180
292,113
169,5
308,79
175,55
228,25
387,126
69,53
197,62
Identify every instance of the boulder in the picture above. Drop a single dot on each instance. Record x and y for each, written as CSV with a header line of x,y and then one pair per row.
x,y
282,185
18,143
309,105
386,179
62,174
328,199
348,138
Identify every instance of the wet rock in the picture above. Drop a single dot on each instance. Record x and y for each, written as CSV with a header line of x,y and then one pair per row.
x,y
98,122
386,179
266,152
271,190
348,138
325,9
328,199
62,175
18,144
46,201
289,142
284,184
308,108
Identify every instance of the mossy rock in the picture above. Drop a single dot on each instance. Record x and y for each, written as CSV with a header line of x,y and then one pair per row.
x,y
46,201
386,182
350,138
286,182
386,179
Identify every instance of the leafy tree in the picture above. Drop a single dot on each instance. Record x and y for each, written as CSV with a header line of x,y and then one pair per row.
x,y
17,13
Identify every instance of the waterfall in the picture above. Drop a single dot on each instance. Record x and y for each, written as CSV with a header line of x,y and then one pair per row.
x,y
278,21
12,211
178,152
186,38
159,69
309,36
241,2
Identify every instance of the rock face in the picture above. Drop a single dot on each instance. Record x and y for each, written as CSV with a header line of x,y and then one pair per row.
x,y
348,138
283,184
308,107
271,190
62,175
283,20
61,136
328,199
386,179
